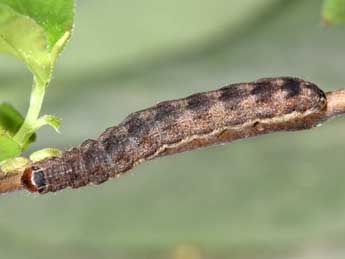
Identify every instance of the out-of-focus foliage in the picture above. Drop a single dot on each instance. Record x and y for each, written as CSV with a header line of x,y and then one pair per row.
x,y
334,11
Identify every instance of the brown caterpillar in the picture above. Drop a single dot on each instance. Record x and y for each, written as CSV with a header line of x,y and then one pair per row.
x,y
220,116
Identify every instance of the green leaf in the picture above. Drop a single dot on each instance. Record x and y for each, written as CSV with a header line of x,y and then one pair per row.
x,y
10,118
25,39
51,120
54,16
11,121
8,147
44,153
334,11
35,31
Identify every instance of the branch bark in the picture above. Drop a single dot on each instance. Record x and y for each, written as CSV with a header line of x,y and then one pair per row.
x,y
10,182
335,103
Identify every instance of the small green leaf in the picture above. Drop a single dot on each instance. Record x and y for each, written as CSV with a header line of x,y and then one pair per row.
x,y
8,147
334,11
11,120
49,120
44,153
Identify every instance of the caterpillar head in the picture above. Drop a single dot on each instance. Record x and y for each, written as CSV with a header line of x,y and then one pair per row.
x,y
34,180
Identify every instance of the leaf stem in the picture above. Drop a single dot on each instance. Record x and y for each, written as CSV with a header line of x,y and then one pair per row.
x,y
29,125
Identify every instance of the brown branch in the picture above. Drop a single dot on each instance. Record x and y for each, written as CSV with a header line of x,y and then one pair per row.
x,y
12,181
335,103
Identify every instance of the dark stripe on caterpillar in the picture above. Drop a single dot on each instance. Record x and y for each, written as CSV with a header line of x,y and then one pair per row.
x,y
220,116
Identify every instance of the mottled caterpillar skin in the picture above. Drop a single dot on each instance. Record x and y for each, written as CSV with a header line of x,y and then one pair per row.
x,y
220,116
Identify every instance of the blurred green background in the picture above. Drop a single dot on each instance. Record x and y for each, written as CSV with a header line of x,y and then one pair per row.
x,y
276,196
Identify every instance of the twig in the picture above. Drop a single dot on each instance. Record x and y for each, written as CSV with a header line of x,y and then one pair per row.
x,y
335,103
10,182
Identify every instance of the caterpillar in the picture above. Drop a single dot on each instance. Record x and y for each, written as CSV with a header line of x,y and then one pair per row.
x,y
220,116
